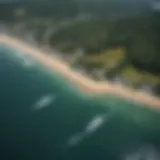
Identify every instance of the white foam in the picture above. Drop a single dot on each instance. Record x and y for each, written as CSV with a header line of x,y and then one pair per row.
x,y
25,60
28,63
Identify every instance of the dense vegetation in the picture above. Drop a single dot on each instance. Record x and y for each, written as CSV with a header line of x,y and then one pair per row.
x,y
140,37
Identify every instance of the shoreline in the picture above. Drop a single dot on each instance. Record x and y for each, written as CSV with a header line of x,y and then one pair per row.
x,y
82,81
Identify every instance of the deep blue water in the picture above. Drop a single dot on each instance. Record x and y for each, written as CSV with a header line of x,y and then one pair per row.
x,y
49,133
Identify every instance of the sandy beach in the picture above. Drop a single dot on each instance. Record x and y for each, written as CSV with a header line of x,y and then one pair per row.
x,y
84,82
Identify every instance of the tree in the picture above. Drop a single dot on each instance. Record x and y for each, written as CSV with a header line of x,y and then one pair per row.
x,y
143,50
19,13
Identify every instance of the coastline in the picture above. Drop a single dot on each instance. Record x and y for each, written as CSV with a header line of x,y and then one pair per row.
x,y
85,83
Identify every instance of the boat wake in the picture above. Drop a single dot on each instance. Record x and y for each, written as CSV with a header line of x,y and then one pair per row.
x,y
43,102
90,128
75,139
144,153
95,124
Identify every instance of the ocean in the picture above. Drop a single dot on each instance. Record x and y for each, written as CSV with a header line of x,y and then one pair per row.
x,y
44,116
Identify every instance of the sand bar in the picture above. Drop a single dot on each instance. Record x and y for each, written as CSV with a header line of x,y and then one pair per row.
x,y
82,81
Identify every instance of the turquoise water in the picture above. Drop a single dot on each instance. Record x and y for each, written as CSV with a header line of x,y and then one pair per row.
x,y
60,130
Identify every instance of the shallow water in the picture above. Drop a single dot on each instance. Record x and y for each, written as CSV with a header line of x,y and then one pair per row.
x,y
58,129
